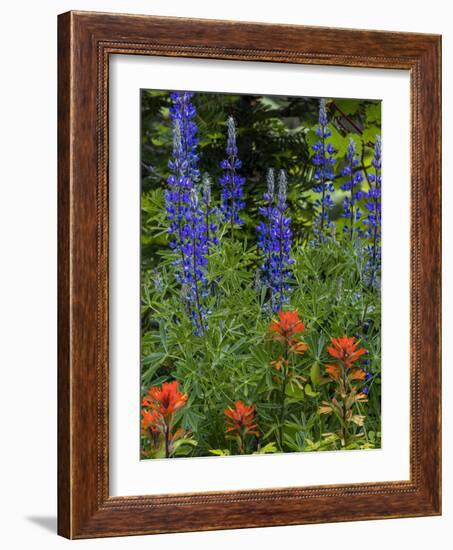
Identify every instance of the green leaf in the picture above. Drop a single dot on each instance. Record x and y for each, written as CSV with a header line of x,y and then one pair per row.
x,y
315,373
369,134
310,392
182,447
311,138
220,452
339,142
294,391
348,106
269,448
373,113
154,358
149,373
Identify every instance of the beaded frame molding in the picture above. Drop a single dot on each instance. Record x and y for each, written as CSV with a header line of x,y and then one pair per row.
x,y
85,41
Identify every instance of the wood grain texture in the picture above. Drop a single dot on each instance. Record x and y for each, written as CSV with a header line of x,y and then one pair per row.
x,y
85,42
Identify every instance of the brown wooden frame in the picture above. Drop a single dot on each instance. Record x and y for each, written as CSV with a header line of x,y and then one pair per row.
x,y
85,42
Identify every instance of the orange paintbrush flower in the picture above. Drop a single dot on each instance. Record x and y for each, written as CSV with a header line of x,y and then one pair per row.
x,y
334,371
299,348
152,426
278,363
150,420
159,405
241,419
357,374
287,326
166,399
345,350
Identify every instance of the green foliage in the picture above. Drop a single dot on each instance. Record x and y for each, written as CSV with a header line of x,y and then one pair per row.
x,y
233,360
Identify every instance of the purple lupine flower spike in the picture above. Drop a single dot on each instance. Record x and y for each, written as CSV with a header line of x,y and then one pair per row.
x,y
188,235
323,161
264,227
373,220
231,182
282,240
275,239
195,252
351,210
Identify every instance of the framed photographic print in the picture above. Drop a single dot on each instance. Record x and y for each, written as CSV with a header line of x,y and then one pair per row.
x,y
249,275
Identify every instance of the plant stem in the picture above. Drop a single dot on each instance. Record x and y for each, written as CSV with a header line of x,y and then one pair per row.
x,y
283,395
345,434
352,203
375,234
232,174
207,228
167,442
323,183
195,280
281,258
269,229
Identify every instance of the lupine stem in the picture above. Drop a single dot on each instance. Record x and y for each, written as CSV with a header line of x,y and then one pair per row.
x,y
281,257
323,183
355,177
376,226
232,205
373,220
351,222
196,281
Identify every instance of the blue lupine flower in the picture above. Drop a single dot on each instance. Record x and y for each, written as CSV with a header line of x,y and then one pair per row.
x,y
183,110
210,212
373,220
187,222
351,210
279,245
195,248
323,161
231,182
183,166
264,227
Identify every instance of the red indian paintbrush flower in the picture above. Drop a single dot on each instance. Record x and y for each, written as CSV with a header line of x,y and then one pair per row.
x,y
287,326
159,405
166,400
299,348
152,425
241,419
334,371
150,420
345,350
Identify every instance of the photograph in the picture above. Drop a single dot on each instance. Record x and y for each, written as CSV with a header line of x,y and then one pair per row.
x,y
260,274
